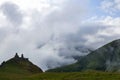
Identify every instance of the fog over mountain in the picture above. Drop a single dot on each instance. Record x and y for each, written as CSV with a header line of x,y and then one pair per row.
x,y
52,32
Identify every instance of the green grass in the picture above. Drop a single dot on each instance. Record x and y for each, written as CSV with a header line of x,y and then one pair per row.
x,y
88,75
18,69
19,66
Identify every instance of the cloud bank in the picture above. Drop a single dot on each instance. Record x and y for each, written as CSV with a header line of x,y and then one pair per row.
x,y
50,33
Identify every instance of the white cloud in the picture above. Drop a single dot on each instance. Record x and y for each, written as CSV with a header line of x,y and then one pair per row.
x,y
41,5
106,29
110,6
43,25
51,30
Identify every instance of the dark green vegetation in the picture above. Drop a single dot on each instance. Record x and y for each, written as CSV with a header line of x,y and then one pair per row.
x,y
106,58
90,75
19,65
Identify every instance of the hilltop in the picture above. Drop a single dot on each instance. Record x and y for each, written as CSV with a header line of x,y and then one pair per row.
x,y
19,65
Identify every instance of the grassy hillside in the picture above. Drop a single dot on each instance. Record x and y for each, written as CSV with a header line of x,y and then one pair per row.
x,y
106,58
19,65
89,75
13,67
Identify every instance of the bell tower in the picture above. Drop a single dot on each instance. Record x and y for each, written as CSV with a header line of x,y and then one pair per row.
x,y
22,56
16,55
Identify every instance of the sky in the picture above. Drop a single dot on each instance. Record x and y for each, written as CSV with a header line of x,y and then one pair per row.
x,y
47,31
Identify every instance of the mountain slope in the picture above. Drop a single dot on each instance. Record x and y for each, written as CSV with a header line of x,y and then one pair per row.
x,y
19,65
106,58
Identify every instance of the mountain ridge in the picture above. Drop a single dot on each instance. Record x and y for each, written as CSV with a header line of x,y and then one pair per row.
x,y
105,58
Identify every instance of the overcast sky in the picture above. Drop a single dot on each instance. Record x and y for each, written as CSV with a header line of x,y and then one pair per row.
x,y
40,29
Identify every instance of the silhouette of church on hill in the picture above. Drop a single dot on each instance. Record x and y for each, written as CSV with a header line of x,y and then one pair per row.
x,y
22,57
20,62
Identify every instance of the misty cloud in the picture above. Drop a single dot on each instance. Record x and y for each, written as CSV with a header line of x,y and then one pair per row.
x,y
12,12
52,35
40,37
